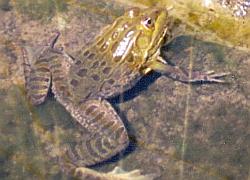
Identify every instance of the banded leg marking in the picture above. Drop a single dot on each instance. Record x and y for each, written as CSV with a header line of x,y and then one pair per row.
x,y
107,137
37,70
37,78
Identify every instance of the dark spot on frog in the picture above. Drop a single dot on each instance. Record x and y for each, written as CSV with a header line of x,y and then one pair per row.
x,y
58,78
130,59
98,117
95,77
95,64
56,71
66,93
37,96
103,63
38,87
74,82
78,62
86,53
106,70
91,56
129,72
37,78
108,125
43,60
90,109
111,81
56,66
62,88
43,69
82,72
116,58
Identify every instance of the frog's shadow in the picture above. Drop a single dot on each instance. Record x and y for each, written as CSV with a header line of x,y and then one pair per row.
x,y
140,86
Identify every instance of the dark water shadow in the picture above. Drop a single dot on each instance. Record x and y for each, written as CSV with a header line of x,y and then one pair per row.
x,y
140,86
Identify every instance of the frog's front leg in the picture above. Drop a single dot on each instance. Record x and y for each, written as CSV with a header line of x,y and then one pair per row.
x,y
177,73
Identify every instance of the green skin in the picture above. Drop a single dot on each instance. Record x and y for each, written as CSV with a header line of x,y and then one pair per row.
x,y
124,52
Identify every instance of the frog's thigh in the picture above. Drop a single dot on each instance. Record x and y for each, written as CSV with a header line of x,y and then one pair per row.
x,y
108,135
37,77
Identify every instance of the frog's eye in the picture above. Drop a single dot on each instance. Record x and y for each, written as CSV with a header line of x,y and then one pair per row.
x,y
148,22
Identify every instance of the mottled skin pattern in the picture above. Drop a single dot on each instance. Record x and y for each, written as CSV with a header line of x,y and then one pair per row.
x,y
122,53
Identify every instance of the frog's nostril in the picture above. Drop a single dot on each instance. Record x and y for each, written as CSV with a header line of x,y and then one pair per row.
x,y
157,11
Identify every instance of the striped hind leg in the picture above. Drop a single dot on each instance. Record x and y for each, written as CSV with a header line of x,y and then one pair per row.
x,y
107,133
36,70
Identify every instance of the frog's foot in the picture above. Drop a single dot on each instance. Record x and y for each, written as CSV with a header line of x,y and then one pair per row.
x,y
49,49
116,174
209,76
55,50
36,66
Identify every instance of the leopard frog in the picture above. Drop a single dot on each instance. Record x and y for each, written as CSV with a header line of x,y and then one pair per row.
x,y
119,56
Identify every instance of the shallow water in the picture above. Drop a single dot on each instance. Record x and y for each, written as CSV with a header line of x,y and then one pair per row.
x,y
177,130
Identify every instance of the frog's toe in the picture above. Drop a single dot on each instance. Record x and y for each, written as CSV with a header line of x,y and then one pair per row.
x,y
219,75
216,77
51,44
53,39
116,174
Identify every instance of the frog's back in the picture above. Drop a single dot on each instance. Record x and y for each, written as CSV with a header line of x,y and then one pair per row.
x,y
98,75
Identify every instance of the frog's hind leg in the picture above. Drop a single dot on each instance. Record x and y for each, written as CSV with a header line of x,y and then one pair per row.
x,y
36,70
108,135
37,79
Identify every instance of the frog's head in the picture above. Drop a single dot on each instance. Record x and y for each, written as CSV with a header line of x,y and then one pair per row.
x,y
151,28
137,35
